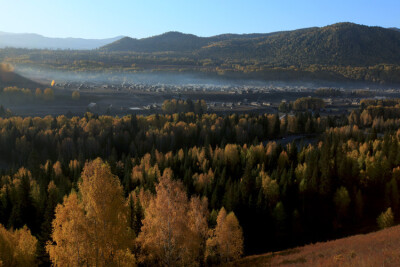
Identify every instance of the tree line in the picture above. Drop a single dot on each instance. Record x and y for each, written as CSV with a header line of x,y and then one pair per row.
x,y
14,94
179,106
302,104
32,140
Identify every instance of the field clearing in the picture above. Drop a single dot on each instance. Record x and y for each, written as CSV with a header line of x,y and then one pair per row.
x,y
381,248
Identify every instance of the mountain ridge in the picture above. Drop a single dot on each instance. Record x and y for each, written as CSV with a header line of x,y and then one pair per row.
x,y
37,41
172,41
342,43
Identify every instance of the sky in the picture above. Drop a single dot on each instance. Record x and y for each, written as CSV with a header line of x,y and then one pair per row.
x,y
143,18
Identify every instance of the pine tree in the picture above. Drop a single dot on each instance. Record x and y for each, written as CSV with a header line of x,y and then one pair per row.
x,y
23,211
342,202
198,223
359,205
279,215
139,216
48,217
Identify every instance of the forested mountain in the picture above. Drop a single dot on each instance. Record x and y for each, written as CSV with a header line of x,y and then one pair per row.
x,y
172,41
36,41
337,44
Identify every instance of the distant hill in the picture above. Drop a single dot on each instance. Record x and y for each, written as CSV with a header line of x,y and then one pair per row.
x,y
172,41
36,41
337,44
374,249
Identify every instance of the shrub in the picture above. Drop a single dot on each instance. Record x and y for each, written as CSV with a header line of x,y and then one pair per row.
x,y
386,219
76,95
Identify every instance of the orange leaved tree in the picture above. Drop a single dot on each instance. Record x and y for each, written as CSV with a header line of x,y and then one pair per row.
x,y
174,229
17,247
92,228
226,240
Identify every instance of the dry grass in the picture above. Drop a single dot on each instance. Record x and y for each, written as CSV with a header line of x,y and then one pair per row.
x,y
380,248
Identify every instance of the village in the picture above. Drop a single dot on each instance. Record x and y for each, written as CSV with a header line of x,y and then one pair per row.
x,y
121,98
141,98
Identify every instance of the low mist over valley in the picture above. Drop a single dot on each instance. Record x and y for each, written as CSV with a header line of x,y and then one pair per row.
x,y
339,52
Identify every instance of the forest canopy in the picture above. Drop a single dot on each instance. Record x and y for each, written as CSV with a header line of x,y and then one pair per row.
x,y
192,189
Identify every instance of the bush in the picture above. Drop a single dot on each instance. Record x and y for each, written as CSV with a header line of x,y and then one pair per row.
x,y
76,95
386,219
48,94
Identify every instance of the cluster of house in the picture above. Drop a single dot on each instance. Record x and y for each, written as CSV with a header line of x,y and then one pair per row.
x,y
159,87
241,93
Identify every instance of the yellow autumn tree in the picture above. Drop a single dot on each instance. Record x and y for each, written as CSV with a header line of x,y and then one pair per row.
x,y
171,235
226,240
76,95
48,94
197,219
106,210
231,155
70,234
38,93
270,188
57,169
93,231
17,247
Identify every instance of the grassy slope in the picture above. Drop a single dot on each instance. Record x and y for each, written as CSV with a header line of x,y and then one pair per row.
x,y
380,248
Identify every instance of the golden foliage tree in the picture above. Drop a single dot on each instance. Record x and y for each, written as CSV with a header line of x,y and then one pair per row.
x,y
17,247
232,155
70,234
48,94
172,229
38,93
270,188
385,219
76,95
226,241
57,169
93,230
106,211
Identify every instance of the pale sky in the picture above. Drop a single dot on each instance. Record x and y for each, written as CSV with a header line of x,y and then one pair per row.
x,y
143,18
